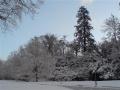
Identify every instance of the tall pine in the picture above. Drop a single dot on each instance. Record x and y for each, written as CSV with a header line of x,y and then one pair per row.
x,y
83,33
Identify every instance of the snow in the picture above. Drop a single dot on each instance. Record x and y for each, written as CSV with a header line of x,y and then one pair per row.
x,y
11,85
114,83
109,83
17,85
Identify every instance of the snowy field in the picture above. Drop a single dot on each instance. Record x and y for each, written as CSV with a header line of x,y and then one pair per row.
x,y
82,85
11,85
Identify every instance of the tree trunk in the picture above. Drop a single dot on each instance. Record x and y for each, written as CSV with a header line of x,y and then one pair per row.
x,y
36,77
95,79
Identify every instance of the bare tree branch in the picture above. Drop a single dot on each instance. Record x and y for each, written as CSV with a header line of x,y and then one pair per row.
x,y
12,11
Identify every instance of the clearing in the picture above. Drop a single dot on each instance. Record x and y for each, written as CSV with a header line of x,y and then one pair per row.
x,y
75,85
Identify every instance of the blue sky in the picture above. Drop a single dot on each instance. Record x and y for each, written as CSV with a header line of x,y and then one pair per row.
x,y
57,17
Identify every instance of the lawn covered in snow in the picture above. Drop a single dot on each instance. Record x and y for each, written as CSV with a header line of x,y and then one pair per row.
x,y
17,85
13,85
85,83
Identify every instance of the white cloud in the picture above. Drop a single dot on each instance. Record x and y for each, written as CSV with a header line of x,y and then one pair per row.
x,y
86,2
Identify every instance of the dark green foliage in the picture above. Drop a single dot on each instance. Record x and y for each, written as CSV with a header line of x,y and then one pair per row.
x,y
83,33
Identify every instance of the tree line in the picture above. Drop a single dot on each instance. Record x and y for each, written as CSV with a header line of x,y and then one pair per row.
x,y
48,57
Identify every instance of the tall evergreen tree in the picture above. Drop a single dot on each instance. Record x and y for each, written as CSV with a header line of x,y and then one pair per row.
x,y
83,30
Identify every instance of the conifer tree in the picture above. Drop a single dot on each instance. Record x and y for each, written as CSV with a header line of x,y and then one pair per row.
x,y
83,33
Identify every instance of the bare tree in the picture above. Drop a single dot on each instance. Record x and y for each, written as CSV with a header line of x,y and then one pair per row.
x,y
50,41
112,26
62,45
12,11
43,62
75,47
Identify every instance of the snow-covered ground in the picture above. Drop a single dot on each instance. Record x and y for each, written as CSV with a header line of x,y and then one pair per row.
x,y
12,85
85,83
17,85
